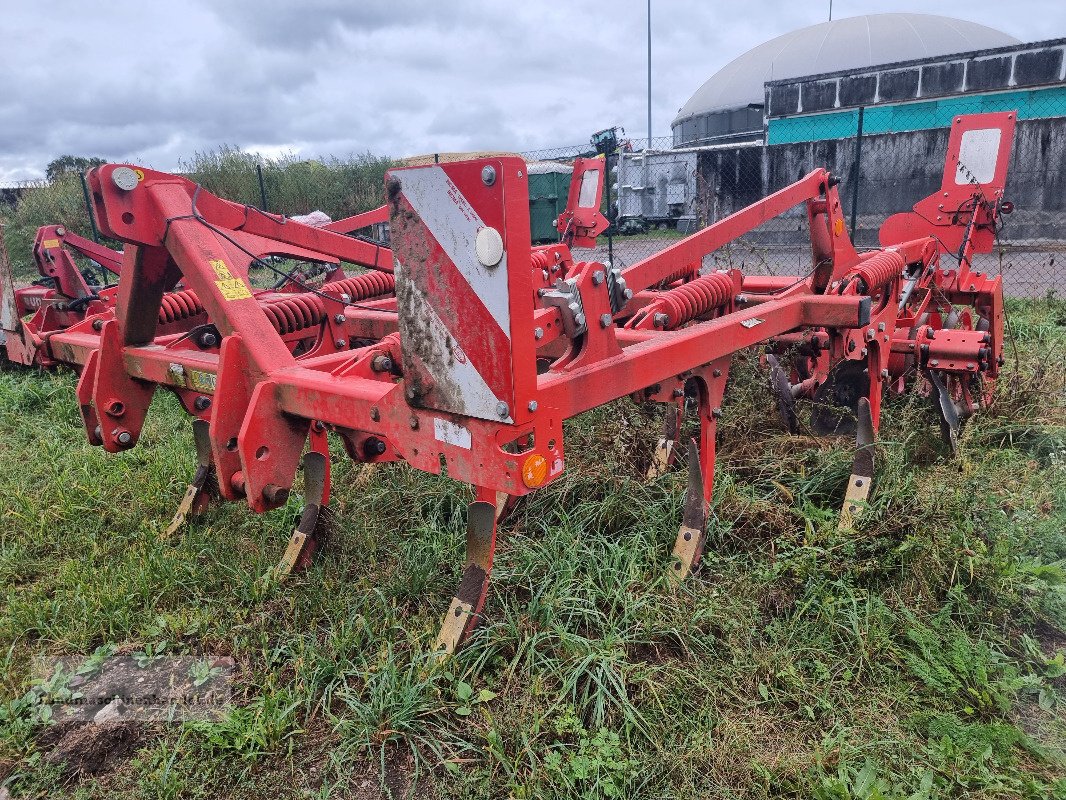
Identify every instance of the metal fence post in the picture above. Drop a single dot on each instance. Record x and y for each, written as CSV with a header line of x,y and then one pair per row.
x,y
855,174
262,187
89,208
611,216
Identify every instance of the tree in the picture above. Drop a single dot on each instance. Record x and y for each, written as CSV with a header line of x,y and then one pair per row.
x,y
69,165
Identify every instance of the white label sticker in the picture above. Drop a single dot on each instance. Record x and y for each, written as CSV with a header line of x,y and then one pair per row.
x,y
450,433
751,323
977,156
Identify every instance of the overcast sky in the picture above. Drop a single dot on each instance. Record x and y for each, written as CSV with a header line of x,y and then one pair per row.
x,y
153,82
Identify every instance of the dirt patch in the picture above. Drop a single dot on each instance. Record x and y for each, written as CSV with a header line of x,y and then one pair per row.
x,y
85,750
399,779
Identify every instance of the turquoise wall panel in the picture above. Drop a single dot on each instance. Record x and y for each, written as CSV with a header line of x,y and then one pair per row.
x,y
922,115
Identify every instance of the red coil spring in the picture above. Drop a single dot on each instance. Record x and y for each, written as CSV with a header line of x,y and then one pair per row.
x,y
362,287
295,313
687,271
179,305
694,298
879,269
541,259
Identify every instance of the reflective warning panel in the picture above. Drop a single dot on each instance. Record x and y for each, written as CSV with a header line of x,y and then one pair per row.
x,y
460,239
975,175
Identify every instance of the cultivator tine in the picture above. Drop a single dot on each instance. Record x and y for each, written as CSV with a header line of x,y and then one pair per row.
x,y
204,484
862,469
664,450
469,599
836,399
948,412
314,518
505,505
690,538
781,387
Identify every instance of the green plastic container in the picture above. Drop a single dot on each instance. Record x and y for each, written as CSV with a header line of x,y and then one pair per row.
x,y
549,185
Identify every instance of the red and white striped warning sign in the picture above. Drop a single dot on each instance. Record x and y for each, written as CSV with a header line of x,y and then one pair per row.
x,y
452,291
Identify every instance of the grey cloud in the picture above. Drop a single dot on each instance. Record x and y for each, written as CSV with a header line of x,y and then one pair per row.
x,y
155,82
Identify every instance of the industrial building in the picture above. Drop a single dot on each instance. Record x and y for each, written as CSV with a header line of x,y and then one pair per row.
x,y
892,81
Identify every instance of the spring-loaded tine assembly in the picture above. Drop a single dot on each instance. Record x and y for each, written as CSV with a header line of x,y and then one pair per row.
x,y
204,485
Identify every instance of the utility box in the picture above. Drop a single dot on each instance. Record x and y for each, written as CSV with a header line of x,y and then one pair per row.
x,y
657,187
549,186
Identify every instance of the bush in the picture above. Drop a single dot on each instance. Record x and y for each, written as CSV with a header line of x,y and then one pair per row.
x,y
339,187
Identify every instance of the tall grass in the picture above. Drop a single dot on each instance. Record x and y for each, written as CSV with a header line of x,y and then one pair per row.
x,y
920,656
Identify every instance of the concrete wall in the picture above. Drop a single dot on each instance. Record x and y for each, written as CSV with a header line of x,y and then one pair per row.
x,y
897,170
1003,68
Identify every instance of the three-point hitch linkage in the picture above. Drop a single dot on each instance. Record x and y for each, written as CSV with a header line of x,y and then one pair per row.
x,y
465,347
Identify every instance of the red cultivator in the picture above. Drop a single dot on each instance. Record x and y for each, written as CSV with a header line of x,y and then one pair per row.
x,y
489,344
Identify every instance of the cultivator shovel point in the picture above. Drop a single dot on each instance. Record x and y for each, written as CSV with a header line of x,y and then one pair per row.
x,y
862,469
204,486
315,518
463,349
469,599
663,456
693,533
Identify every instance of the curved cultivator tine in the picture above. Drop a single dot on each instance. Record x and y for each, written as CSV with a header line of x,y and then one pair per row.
x,y
469,599
781,387
204,485
664,450
950,422
691,537
314,518
862,469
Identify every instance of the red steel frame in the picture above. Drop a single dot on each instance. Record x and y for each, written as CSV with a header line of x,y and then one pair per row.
x,y
447,372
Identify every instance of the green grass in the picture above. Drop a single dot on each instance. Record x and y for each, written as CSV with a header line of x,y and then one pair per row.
x,y
919,657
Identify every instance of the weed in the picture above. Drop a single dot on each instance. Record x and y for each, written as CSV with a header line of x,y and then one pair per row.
x,y
919,657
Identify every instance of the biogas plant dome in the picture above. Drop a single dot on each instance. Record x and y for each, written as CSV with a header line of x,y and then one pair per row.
x,y
731,100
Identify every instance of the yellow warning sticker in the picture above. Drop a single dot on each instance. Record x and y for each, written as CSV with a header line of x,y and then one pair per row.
x,y
233,289
201,381
221,270
48,244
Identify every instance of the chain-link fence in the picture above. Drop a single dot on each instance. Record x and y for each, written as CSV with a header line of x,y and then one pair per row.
x,y
887,159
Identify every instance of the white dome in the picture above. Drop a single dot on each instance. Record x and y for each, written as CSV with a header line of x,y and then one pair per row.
x,y
843,44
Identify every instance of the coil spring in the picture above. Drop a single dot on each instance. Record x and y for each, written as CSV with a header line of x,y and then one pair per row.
x,y
296,313
687,271
362,287
879,269
179,305
694,298
541,259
